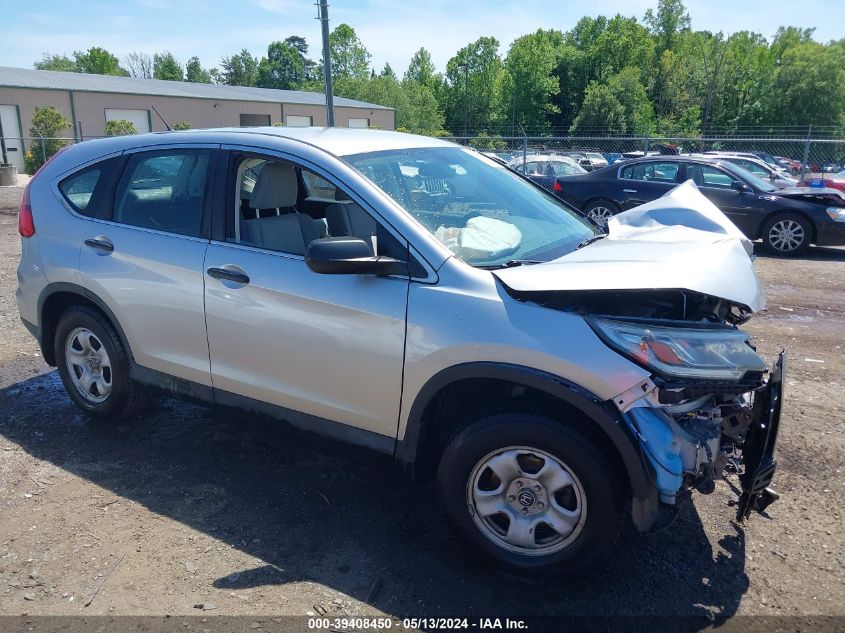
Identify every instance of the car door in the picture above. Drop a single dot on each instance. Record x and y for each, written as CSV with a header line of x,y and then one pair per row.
x,y
719,186
143,257
645,181
328,346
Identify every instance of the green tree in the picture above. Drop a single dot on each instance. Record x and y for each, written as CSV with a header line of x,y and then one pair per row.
x,y
119,127
165,66
240,69
48,126
601,113
631,93
474,86
286,66
98,61
529,83
422,114
667,23
350,59
56,62
195,73
421,69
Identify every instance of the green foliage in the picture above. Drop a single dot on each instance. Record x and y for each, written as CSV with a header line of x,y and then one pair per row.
x,y
165,66
486,142
240,69
473,93
47,124
286,66
181,125
350,59
56,62
195,73
528,82
120,127
96,61
600,113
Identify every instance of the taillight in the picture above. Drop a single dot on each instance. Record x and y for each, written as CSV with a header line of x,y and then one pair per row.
x,y
26,225
557,186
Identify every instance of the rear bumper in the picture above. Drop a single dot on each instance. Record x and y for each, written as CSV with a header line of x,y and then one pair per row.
x,y
758,449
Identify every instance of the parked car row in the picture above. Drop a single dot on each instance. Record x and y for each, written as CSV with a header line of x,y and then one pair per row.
x,y
788,219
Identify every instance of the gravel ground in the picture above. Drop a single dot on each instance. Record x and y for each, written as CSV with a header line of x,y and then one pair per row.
x,y
187,507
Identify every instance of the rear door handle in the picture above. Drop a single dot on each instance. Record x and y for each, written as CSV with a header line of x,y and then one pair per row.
x,y
630,190
100,243
229,273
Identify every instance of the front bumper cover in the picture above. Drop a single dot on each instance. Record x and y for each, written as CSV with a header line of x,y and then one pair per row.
x,y
758,449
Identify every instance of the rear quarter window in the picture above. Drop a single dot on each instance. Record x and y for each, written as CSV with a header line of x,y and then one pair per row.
x,y
88,190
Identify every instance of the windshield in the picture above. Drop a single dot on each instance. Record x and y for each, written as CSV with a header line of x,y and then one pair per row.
x,y
751,179
562,168
484,213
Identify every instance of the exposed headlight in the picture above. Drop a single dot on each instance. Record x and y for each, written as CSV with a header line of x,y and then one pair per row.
x,y
719,354
837,214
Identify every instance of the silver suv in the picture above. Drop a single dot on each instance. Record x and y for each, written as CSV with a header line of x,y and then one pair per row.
x,y
418,298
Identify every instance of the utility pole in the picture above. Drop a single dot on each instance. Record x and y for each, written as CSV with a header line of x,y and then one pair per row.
x,y
327,62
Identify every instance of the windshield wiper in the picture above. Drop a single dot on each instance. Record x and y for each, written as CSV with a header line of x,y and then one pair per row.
x,y
512,263
590,240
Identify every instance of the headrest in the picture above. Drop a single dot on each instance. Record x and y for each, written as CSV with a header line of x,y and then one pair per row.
x,y
276,187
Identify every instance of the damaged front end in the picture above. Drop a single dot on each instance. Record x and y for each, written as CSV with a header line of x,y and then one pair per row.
x,y
706,411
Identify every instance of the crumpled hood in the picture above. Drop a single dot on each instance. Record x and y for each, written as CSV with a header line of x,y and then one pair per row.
x,y
679,241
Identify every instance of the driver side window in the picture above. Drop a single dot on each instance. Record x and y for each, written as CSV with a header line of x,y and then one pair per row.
x,y
283,207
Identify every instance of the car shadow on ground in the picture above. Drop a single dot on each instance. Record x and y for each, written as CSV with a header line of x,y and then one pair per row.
x,y
814,253
315,510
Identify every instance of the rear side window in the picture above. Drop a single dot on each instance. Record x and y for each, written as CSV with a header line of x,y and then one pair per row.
x,y
652,172
165,191
88,191
79,188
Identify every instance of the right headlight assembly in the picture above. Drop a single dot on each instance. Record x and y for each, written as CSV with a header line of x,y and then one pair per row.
x,y
679,352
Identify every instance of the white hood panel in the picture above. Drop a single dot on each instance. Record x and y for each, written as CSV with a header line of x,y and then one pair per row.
x,y
679,241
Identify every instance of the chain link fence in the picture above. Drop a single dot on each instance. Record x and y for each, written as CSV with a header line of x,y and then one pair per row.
x,y
808,158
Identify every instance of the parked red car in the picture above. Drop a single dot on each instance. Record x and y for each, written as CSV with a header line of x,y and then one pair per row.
x,y
833,181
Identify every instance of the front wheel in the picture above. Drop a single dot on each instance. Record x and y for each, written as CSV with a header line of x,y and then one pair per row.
x,y
530,493
787,234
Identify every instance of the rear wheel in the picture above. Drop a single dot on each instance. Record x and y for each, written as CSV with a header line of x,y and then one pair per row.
x,y
530,493
787,234
600,212
94,365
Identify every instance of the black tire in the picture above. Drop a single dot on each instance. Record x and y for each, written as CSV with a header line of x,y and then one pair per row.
x,y
598,208
774,240
126,397
581,456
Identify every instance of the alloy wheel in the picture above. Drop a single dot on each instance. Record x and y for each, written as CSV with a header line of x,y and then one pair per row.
x,y
526,501
600,215
786,235
88,365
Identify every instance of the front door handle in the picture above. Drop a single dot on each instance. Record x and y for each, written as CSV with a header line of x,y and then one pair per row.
x,y
229,273
630,190
100,243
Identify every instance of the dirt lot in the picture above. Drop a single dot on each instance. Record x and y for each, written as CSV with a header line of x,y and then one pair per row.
x,y
189,507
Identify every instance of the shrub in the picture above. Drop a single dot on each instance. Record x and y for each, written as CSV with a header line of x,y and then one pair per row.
x,y
181,125
47,124
120,127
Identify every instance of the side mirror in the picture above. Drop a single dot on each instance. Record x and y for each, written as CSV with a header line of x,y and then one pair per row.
x,y
349,256
739,186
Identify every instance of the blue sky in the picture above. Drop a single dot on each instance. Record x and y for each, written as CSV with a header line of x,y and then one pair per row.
x,y
391,30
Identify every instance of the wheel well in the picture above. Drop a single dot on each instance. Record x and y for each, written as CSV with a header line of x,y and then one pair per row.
x,y
590,201
51,312
789,212
457,404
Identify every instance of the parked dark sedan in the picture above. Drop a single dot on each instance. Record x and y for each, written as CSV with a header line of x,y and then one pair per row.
x,y
787,220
